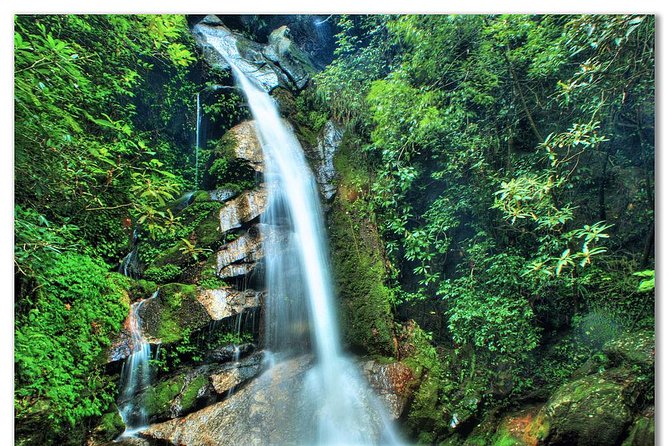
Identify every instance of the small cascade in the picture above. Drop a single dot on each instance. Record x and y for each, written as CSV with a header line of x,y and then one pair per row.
x,y
198,124
336,405
130,264
135,374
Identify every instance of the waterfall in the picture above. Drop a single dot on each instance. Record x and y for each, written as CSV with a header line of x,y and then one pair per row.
x,y
339,408
198,123
135,374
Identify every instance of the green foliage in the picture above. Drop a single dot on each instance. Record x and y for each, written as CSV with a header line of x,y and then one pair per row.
x,y
163,274
512,180
80,149
59,341
647,283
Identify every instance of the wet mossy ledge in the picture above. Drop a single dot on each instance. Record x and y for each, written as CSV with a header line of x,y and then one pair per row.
x,y
359,263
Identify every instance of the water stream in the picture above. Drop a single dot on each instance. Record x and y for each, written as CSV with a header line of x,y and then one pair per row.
x,y
300,309
135,374
198,124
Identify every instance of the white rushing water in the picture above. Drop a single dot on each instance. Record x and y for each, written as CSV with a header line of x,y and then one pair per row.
x,y
198,124
135,374
300,306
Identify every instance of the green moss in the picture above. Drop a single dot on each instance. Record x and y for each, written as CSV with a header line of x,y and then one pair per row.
x,y
179,313
189,395
110,426
201,196
158,398
141,289
359,275
359,268
505,438
642,433
208,231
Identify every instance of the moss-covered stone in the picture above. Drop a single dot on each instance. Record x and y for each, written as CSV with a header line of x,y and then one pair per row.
x,y
110,427
191,392
426,417
359,267
141,289
642,432
174,313
588,411
159,398
633,349
201,196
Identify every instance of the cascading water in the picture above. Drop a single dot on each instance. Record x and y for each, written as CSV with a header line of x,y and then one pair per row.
x,y
337,405
135,374
198,123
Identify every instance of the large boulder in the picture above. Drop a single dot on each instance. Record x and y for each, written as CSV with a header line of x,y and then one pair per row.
x,y
239,257
294,63
260,413
241,142
636,349
589,411
189,389
282,406
392,383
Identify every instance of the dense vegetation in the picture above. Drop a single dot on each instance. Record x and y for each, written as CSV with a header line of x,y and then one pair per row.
x,y
496,179
102,104
511,164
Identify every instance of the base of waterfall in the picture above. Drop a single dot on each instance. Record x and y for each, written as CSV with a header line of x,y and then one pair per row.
x,y
287,405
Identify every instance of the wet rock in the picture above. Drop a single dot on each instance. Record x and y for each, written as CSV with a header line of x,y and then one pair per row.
x,y
294,63
246,207
228,352
280,62
260,413
328,143
588,411
242,371
121,346
221,195
189,389
392,382
281,406
241,254
242,142
218,42
225,302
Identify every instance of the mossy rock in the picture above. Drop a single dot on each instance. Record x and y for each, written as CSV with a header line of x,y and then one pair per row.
x,y
359,271
642,432
190,394
588,411
159,398
109,427
173,313
359,276
141,289
634,349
